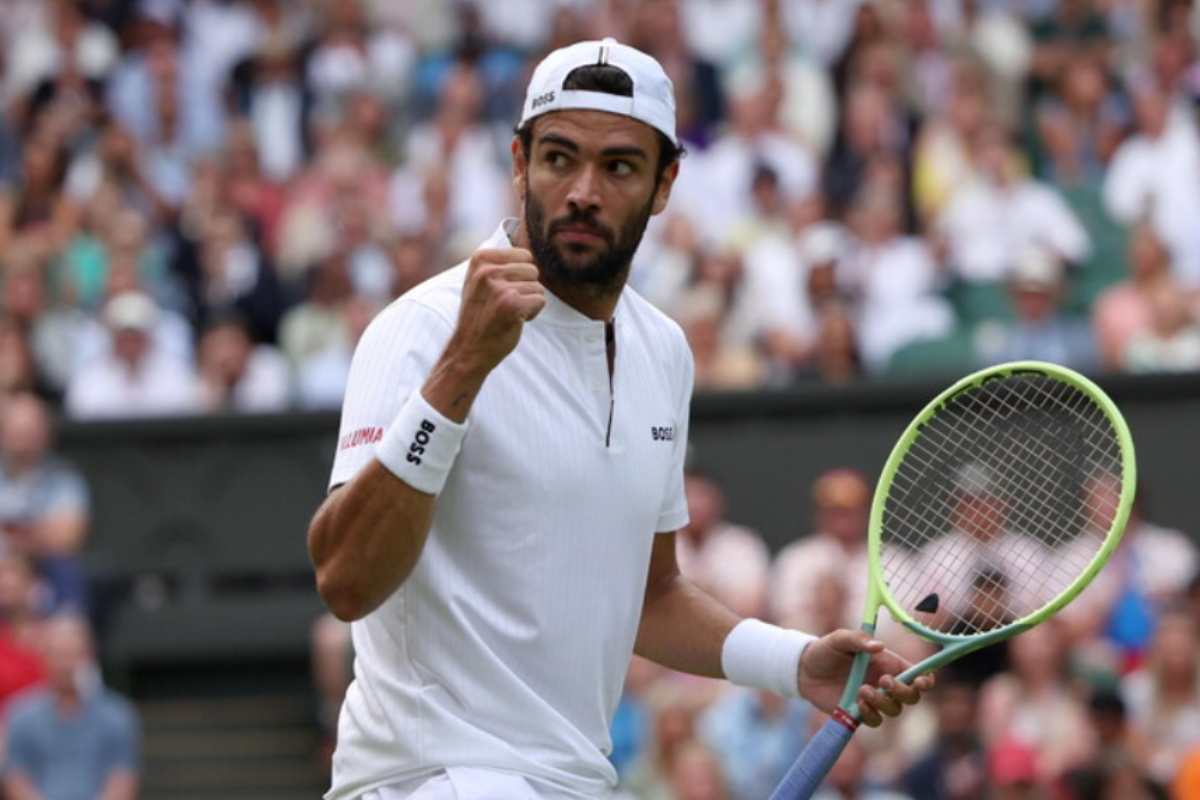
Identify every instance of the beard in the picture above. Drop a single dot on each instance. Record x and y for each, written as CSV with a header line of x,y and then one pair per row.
x,y
599,273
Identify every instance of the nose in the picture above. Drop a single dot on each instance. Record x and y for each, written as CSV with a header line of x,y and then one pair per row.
x,y
583,195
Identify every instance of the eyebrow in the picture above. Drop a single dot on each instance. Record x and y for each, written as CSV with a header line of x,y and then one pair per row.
x,y
629,151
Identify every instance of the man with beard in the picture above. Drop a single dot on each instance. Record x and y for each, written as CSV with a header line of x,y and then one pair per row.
x,y
509,479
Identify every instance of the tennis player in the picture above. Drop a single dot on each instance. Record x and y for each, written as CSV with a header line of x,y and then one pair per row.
x,y
509,479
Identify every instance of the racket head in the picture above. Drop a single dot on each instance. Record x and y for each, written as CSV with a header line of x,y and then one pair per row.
x,y
1051,431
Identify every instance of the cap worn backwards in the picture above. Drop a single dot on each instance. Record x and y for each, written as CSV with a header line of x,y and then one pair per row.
x,y
653,100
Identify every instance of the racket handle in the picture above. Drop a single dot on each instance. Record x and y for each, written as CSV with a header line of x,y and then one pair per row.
x,y
815,761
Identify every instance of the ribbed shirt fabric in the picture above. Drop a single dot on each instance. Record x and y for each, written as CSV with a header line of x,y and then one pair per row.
x,y
506,648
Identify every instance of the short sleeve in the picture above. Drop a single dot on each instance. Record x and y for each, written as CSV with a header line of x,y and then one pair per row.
x,y
394,357
22,749
674,514
68,494
123,743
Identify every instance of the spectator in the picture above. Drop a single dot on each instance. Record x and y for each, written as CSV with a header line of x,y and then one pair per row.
x,y
457,140
696,774
1041,329
1032,707
894,279
252,190
1080,127
269,92
1126,311
332,667
1155,175
942,154
43,502
321,376
955,767
315,325
753,138
18,370
786,269
673,728
631,722
982,536
155,69
38,212
1013,772
847,779
1150,570
238,375
719,364
837,547
226,269
1164,696
1113,770
728,560
837,358
21,664
1172,342
873,132
75,739
756,737
1003,213
134,378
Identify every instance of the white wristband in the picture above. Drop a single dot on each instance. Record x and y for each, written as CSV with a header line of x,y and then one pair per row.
x,y
764,656
420,445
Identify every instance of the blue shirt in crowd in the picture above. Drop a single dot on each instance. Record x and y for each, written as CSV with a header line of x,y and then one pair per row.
x,y
71,756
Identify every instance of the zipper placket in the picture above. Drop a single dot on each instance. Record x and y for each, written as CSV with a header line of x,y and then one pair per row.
x,y
610,347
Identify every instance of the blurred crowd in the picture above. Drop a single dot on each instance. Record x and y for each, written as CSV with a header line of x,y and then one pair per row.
x,y
203,202
1100,703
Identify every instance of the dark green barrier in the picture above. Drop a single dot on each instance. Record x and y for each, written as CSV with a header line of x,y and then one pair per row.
x,y
217,507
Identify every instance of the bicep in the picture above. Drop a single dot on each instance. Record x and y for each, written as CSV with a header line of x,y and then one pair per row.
x,y
664,568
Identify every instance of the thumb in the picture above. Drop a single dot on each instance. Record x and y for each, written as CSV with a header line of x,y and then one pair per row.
x,y
851,642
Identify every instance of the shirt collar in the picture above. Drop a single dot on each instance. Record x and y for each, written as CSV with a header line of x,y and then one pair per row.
x,y
556,312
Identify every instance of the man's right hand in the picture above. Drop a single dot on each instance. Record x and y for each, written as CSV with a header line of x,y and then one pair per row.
x,y
501,293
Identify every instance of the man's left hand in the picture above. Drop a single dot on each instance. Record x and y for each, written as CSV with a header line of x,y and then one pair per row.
x,y
825,665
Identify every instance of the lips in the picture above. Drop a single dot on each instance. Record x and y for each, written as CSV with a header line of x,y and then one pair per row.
x,y
580,233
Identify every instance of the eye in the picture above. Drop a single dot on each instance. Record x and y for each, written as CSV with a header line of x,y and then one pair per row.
x,y
620,168
557,159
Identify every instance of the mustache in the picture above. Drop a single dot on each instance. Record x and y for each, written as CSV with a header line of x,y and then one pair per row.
x,y
581,220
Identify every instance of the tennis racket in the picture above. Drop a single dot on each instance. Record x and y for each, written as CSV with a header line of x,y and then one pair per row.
x,y
1000,502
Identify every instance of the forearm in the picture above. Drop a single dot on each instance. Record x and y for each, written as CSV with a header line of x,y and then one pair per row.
x,y
121,785
684,628
367,537
61,534
18,787
365,540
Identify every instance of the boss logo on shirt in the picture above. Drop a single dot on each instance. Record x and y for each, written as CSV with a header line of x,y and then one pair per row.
x,y
663,434
417,448
543,99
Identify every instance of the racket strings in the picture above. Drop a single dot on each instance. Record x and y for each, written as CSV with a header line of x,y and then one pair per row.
x,y
1000,503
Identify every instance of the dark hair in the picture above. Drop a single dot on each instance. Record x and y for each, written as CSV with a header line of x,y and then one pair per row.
x,y
1105,701
610,80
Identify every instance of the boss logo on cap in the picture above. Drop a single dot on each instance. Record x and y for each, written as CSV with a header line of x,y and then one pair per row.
x,y
543,99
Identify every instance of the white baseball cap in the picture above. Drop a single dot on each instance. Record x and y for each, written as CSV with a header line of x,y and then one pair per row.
x,y
131,310
653,100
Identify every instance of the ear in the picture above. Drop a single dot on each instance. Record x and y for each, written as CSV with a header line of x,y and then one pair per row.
x,y
519,168
663,193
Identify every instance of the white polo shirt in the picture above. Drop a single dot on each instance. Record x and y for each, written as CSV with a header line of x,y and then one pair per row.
x,y
506,648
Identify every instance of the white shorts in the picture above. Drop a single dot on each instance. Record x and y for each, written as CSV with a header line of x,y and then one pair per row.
x,y
460,783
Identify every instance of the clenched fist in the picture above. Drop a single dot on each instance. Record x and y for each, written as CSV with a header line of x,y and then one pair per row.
x,y
501,293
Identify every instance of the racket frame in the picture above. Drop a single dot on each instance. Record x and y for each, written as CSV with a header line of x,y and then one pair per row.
x,y
954,646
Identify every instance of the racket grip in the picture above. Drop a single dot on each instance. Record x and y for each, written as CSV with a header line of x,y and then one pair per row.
x,y
815,761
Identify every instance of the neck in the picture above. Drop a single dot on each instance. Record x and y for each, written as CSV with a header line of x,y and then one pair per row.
x,y
67,700
591,301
